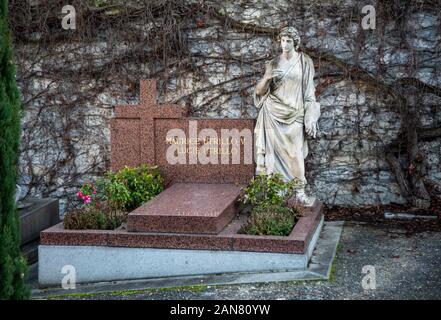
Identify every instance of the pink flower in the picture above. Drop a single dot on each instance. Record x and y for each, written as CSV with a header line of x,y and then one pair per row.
x,y
94,191
79,194
87,200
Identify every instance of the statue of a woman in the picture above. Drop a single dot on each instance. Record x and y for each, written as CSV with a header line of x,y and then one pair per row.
x,y
288,110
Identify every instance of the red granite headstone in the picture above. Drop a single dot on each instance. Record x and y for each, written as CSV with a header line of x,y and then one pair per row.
x,y
185,149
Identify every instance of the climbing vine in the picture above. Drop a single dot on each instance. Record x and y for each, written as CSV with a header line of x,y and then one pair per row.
x,y
208,55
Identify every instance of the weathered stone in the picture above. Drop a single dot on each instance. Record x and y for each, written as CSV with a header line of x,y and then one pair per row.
x,y
355,118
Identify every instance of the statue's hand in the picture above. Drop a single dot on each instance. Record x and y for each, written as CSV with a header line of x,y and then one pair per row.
x,y
312,115
275,74
311,128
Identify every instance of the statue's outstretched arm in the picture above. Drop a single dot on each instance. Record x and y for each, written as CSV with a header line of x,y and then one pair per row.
x,y
262,86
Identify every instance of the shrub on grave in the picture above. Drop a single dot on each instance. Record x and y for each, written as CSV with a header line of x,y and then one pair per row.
x,y
270,214
129,188
105,205
275,220
94,217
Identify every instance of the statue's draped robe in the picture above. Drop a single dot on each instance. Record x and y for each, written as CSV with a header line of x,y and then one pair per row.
x,y
280,141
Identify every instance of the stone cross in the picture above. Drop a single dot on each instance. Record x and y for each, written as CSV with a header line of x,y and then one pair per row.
x,y
133,128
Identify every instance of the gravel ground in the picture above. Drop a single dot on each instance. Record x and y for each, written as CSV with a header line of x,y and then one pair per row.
x,y
406,267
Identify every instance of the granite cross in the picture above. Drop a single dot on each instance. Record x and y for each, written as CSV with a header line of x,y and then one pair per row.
x,y
133,128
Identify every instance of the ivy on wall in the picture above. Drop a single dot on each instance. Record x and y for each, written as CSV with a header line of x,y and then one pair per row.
x,y
207,54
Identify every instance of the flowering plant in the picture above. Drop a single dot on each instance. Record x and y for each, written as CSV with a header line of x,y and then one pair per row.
x,y
87,193
105,203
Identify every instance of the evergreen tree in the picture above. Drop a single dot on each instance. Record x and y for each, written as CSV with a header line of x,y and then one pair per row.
x,y
13,266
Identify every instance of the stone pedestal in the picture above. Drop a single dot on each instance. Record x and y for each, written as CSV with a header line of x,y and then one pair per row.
x,y
109,255
36,215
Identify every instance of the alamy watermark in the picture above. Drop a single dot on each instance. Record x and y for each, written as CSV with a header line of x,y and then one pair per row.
x,y
70,279
207,146
69,20
369,20
369,281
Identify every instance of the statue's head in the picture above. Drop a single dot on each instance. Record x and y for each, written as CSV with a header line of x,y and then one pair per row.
x,y
289,38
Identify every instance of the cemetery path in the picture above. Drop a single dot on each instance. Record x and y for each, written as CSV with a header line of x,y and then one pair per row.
x,y
406,267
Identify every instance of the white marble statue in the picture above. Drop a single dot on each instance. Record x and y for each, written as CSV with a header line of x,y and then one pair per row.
x,y
287,107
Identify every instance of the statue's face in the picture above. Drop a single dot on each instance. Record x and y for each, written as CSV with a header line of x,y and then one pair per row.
x,y
287,43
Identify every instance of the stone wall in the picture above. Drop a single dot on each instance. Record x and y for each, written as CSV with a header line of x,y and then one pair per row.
x,y
70,89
